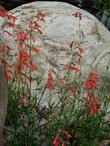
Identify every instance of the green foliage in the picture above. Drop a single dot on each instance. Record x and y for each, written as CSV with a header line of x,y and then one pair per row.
x,y
102,4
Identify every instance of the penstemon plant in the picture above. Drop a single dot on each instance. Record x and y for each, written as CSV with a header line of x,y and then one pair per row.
x,y
77,118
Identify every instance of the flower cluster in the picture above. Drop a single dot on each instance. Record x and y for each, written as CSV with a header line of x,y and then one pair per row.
x,y
92,81
22,100
91,101
5,50
59,139
36,25
23,65
50,84
93,104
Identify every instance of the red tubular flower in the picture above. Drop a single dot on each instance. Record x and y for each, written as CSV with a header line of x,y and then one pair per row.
x,y
75,68
37,50
92,81
33,39
42,16
30,78
81,50
67,134
1,49
94,76
39,30
91,84
3,12
22,36
12,25
37,24
9,49
24,57
63,143
79,54
92,110
78,15
9,74
93,104
33,66
22,100
31,25
73,90
97,101
10,16
50,85
59,140
72,67
55,141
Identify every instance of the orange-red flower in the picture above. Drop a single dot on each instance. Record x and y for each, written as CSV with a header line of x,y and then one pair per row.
x,y
56,140
91,83
39,30
94,77
22,100
67,134
63,143
37,24
50,84
73,90
9,49
10,16
10,24
77,15
75,68
1,49
37,50
72,67
24,56
93,104
22,36
59,140
42,16
9,74
3,12
33,67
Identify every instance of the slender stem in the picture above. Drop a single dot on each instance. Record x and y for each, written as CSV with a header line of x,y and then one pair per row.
x,y
20,64
30,54
42,95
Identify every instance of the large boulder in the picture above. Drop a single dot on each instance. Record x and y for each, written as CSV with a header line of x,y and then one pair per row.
x,y
61,28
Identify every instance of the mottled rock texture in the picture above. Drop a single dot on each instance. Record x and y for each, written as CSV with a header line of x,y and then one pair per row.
x,y
60,29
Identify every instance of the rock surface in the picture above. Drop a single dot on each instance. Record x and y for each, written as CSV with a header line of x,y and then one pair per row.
x,y
60,29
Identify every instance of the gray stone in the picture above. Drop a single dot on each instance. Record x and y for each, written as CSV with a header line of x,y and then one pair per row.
x,y
60,29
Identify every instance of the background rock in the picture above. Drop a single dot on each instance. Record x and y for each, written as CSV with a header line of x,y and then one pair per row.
x,y
97,8
60,29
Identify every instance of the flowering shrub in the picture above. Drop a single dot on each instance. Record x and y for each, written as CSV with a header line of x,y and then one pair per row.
x,y
77,118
